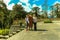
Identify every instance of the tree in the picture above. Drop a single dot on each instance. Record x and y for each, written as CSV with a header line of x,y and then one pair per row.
x,y
35,10
45,8
4,14
57,11
52,11
18,10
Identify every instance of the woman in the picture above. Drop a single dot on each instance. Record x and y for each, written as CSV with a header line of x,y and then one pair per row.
x,y
27,22
30,22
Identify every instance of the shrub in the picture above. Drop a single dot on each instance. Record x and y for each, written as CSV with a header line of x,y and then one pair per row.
x,y
0,32
4,32
47,21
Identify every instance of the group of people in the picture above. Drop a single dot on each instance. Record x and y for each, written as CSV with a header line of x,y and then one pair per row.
x,y
30,21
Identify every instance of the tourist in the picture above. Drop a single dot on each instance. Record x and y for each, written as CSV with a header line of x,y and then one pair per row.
x,y
30,22
35,22
27,22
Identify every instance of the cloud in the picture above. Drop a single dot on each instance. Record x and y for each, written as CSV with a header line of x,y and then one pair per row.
x,y
24,1
19,3
14,1
10,6
35,0
56,2
34,5
27,8
49,11
40,8
6,1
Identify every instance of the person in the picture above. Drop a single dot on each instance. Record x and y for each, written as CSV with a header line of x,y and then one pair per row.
x,y
27,22
35,22
30,22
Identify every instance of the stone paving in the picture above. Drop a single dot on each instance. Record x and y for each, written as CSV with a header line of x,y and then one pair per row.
x,y
3,39
47,31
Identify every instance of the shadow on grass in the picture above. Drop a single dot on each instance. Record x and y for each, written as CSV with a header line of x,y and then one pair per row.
x,y
39,30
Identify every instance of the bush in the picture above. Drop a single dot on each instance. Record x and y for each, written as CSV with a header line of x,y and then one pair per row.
x,y
47,21
4,32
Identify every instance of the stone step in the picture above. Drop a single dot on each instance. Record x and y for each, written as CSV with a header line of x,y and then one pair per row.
x,y
4,37
20,34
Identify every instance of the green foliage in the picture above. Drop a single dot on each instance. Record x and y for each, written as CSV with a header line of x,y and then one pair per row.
x,y
47,21
0,24
4,31
4,14
19,11
57,5
2,6
35,9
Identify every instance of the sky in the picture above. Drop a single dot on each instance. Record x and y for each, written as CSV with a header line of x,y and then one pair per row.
x,y
29,4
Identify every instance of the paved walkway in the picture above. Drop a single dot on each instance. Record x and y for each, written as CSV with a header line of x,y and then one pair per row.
x,y
47,31
3,39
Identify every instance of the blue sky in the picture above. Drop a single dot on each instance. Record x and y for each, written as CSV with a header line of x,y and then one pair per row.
x,y
28,4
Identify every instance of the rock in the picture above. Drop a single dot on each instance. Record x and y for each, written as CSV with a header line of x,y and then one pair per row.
x,y
18,30
14,33
10,35
6,36
14,28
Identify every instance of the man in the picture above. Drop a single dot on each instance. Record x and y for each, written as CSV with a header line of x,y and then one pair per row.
x,y
35,22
